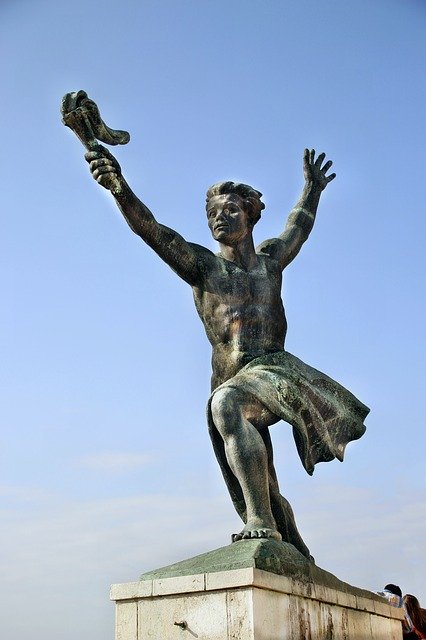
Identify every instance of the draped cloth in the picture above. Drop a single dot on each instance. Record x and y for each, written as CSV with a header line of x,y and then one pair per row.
x,y
324,415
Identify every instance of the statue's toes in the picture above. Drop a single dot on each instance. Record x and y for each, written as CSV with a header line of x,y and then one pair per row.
x,y
269,533
256,533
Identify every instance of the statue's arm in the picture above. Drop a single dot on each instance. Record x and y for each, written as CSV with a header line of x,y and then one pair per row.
x,y
182,256
302,217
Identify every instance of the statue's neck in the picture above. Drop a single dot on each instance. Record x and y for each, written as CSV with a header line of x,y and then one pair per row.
x,y
242,253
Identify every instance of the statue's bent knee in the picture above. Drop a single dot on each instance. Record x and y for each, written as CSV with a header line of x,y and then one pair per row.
x,y
226,405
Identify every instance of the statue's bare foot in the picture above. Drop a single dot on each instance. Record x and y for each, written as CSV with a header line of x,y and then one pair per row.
x,y
255,530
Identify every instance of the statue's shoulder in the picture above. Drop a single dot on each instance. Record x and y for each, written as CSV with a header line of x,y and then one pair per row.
x,y
207,260
202,252
267,252
267,247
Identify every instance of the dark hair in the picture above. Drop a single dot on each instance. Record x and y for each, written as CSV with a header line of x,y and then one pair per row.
x,y
250,196
416,613
393,588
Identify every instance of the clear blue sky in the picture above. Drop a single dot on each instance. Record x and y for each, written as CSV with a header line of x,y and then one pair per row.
x,y
106,465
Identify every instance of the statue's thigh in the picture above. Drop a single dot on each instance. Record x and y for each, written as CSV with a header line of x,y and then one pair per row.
x,y
256,412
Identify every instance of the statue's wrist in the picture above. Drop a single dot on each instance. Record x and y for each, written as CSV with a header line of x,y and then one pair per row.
x,y
312,184
313,188
124,190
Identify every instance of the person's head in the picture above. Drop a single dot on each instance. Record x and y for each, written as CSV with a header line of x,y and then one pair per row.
x,y
416,613
393,588
232,209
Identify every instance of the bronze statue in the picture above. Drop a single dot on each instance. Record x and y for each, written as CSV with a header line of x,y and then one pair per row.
x,y
255,382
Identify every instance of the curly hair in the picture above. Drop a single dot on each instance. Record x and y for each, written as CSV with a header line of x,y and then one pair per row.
x,y
251,197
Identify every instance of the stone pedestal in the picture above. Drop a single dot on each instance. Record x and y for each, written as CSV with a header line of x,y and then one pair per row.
x,y
249,602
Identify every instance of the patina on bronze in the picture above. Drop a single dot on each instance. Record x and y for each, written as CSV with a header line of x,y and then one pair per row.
x,y
81,114
255,382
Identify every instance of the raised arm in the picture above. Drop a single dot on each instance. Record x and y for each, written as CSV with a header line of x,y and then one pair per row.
x,y
301,219
179,254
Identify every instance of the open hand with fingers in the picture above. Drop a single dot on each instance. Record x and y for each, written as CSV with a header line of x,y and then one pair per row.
x,y
104,167
314,173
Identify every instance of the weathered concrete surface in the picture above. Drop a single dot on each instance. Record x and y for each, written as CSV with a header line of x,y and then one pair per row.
x,y
294,600
268,555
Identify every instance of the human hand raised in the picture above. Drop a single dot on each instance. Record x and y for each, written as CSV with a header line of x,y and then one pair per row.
x,y
104,168
314,173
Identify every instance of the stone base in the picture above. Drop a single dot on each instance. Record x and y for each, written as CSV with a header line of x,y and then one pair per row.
x,y
292,600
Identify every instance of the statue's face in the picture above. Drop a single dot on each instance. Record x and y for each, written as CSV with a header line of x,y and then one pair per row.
x,y
227,219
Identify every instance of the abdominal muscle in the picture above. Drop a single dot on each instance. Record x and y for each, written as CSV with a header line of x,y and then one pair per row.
x,y
243,316
240,336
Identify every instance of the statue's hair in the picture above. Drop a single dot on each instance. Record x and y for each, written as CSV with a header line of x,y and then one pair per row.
x,y
250,196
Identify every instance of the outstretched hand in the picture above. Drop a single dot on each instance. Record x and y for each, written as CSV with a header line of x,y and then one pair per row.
x,y
104,167
313,171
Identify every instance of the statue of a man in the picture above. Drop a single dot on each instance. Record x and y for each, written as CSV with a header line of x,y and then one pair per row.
x,y
255,383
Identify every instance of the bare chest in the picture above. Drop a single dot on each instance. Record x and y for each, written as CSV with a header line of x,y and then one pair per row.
x,y
233,290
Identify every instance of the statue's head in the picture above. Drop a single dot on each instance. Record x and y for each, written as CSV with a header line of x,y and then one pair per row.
x,y
232,211
249,198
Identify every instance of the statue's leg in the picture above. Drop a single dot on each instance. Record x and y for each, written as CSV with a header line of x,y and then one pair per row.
x,y
237,417
281,507
288,525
